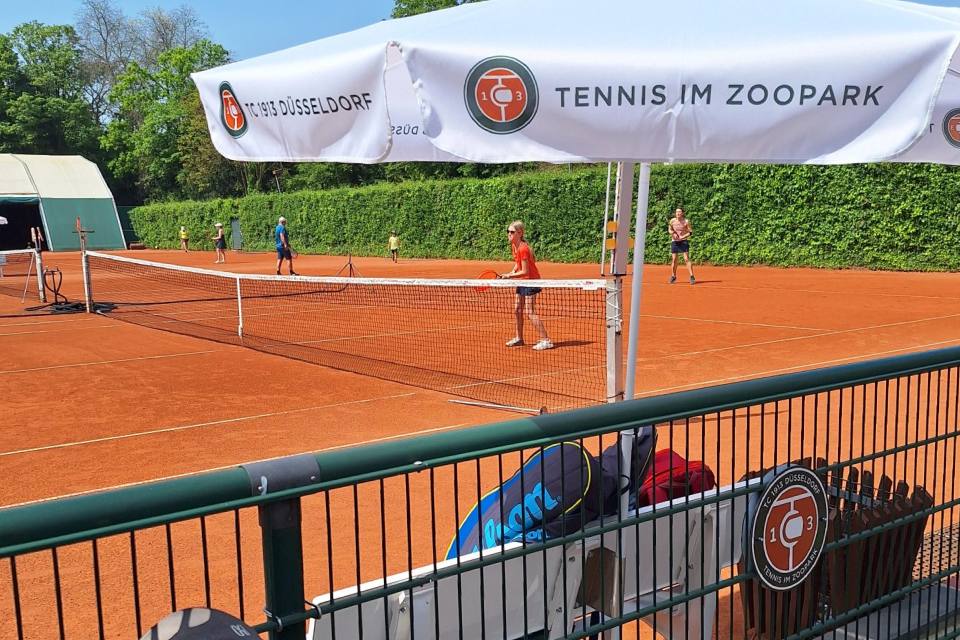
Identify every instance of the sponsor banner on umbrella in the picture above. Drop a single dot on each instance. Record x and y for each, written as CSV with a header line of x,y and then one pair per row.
x,y
821,81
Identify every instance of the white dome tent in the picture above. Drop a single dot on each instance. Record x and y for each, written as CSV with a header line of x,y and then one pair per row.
x,y
51,192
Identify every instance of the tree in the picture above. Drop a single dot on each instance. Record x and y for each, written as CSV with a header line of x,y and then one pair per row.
x,y
109,41
41,93
204,173
161,30
153,112
404,8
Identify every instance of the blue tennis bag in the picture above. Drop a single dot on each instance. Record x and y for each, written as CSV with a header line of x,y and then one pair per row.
x,y
557,491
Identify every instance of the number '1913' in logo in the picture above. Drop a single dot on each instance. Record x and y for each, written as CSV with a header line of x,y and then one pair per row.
x,y
501,94
789,528
231,113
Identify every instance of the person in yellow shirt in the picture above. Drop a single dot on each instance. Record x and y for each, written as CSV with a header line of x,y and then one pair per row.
x,y
394,245
184,238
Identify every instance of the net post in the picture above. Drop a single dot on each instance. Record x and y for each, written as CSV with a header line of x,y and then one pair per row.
x,y
85,264
239,310
38,262
614,320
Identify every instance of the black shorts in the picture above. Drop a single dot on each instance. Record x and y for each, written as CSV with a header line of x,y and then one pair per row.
x,y
283,252
680,246
528,291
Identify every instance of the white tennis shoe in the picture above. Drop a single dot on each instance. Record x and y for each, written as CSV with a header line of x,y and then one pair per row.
x,y
543,345
515,342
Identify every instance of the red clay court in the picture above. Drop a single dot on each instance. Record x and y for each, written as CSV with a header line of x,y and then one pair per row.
x,y
98,403
107,403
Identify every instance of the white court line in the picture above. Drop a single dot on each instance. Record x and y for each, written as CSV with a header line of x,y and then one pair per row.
x,y
96,362
716,350
198,425
28,333
799,367
85,316
878,294
233,466
738,322
818,335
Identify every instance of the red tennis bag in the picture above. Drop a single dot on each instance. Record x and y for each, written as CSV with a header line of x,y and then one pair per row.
x,y
670,476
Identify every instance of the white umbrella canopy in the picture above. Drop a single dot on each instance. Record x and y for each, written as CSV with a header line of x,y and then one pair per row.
x,y
822,81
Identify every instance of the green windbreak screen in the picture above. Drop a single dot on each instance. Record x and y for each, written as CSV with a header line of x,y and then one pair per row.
x,y
96,214
17,199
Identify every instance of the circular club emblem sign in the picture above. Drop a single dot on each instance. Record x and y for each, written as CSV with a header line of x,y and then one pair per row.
x,y
789,528
951,127
231,113
501,94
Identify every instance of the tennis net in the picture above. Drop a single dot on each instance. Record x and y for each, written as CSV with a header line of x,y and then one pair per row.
x,y
446,335
21,274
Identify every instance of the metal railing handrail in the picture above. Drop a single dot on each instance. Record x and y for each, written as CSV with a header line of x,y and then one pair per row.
x,y
44,525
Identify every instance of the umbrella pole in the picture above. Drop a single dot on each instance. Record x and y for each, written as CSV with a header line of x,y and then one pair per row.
x,y
627,436
643,197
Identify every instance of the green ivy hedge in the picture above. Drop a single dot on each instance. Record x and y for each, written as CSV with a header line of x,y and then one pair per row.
x,y
874,216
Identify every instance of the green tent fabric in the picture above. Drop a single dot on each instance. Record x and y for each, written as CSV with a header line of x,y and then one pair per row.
x,y
65,187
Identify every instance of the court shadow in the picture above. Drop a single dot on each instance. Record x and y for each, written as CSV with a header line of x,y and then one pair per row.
x,y
570,343
709,281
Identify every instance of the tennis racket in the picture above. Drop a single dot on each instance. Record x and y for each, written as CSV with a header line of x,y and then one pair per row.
x,y
489,274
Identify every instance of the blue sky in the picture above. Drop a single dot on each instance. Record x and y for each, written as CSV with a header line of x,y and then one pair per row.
x,y
245,27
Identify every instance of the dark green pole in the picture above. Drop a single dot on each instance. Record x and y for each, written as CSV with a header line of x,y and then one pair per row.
x,y
280,529
283,566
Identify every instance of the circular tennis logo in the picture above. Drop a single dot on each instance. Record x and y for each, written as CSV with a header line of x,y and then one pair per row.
x,y
789,528
231,113
951,127
501,94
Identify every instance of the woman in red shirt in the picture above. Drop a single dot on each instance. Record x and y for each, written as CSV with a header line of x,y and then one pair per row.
x,y
525,266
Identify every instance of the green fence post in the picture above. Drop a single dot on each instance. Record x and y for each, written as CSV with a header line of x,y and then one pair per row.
x,y
283,566
281,535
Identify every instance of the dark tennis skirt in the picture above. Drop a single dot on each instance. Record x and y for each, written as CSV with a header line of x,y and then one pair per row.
x,y
528,291
680,246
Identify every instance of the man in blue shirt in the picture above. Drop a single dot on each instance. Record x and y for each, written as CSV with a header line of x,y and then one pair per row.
x,y
282,239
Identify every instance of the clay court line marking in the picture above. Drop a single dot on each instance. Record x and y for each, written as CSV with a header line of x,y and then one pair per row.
x,y
718,349
801,367
82,317
748,324
88,364
198,425
833,293
233,466
792,338
27,333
